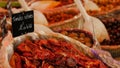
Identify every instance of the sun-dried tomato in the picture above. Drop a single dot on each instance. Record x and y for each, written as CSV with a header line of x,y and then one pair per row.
x,y
51,53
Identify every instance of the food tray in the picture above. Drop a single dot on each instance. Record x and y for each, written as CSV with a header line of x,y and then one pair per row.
x,y
70,24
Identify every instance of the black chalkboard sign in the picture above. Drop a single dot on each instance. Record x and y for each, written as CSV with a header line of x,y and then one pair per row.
x,y
22,23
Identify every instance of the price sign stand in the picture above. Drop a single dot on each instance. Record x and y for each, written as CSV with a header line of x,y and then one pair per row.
x,y
22,23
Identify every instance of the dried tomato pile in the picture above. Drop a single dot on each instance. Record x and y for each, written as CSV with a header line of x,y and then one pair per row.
x,y
51,53
58,15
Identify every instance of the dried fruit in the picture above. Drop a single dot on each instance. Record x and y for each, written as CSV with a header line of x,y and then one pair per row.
x,y
51,53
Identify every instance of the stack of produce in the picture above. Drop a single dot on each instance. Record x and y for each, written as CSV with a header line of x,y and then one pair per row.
x,y
51,53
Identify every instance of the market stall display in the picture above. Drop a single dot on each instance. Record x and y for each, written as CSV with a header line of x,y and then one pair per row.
x,y
52,37
111,21
63,42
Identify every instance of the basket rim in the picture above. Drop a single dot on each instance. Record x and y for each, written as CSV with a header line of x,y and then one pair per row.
x,y
66,21
113,47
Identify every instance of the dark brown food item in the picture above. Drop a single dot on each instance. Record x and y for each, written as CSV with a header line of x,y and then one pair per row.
x,y
51,53
58,15
80,35
112,23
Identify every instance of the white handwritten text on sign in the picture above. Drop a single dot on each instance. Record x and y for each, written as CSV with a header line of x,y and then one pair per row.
x,y
22,23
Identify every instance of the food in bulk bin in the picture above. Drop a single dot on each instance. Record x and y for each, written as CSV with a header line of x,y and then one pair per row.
x,y
30,54
109,15
112,23
96,27
58,14
103,59
43,51
21,39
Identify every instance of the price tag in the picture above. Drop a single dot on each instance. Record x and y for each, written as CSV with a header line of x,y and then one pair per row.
x,y
22,23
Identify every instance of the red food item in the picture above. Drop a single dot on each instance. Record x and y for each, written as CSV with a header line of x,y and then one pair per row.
x,y
15,61
51,53
65,2
58,15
